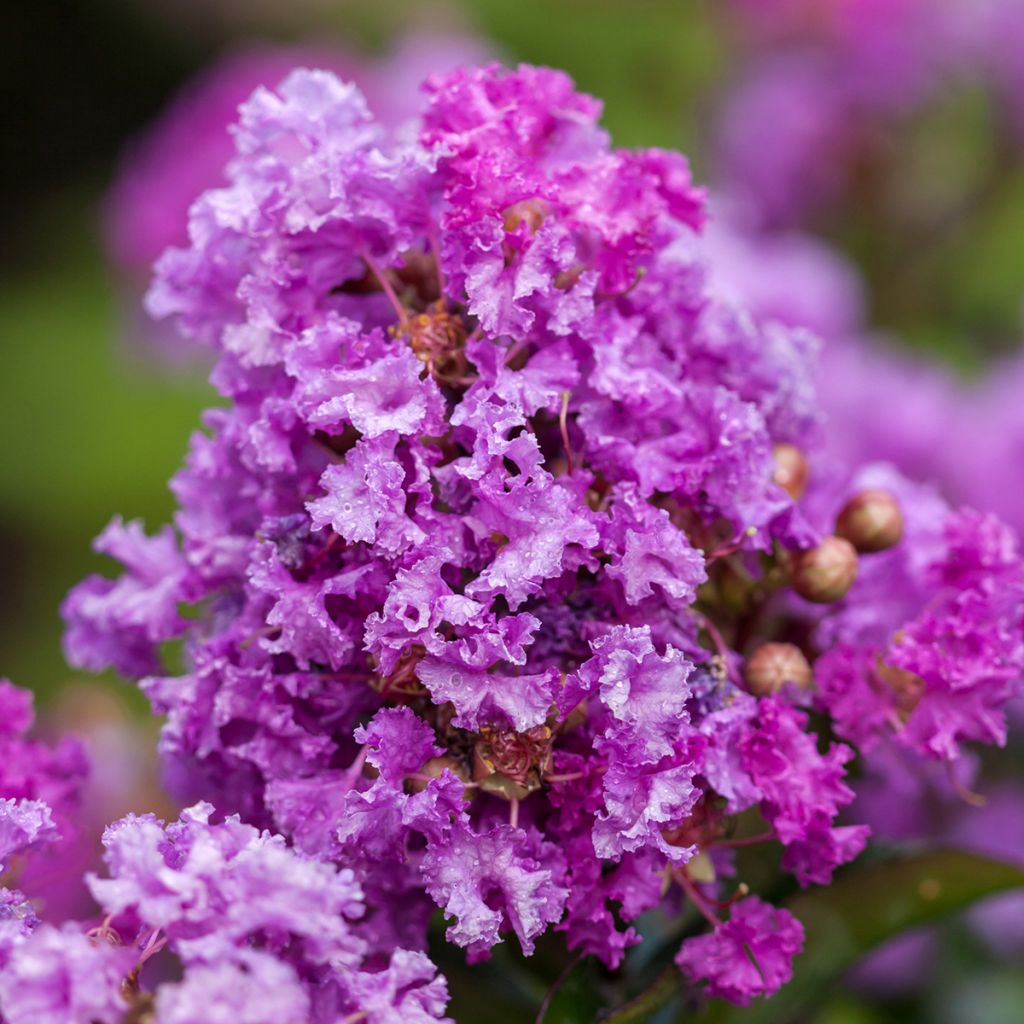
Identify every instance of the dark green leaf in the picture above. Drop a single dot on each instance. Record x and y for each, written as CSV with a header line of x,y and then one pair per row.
x,y
576,1000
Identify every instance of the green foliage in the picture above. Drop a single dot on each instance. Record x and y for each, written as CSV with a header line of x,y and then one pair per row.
x,y
647,59
88,432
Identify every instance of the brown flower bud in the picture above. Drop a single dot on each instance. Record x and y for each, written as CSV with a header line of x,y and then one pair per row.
x,y
825,573
790,469
871,521
773,665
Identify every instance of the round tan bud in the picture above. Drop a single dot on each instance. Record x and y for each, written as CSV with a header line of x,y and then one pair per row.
x,y
871,521
773,665
790,469
825,573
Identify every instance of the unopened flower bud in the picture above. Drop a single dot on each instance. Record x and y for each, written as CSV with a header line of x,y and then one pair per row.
x,y
773,665
790,469
871,521
825,573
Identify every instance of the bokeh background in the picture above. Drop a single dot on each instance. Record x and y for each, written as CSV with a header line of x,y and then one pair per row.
x,y
95,409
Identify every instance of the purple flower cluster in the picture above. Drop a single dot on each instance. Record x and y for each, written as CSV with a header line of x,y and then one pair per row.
x,y
506,591
40,802
258,932
945,675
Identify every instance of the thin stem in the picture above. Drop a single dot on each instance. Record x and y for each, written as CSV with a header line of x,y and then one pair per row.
x,y
563,426
385,285
761,837
720,647
513,812
573,776
556,985
638,276
153,945
420,777
730,547
355,769
435,249
514,350
682,876
104,930
256,634
654,997
742,890
967,795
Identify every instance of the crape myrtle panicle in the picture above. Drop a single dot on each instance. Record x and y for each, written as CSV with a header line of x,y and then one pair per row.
x,y
480,555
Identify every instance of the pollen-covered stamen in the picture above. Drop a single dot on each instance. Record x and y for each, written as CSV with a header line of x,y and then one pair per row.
x,y
638,276
141,1006
438,338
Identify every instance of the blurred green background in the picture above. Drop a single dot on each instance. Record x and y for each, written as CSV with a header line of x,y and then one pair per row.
x,y
93,426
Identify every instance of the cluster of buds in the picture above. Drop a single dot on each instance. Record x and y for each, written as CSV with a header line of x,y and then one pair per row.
x,y
869,522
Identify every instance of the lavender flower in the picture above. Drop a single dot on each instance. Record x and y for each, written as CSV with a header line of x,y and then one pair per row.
x,y
256,929
475,552
40,812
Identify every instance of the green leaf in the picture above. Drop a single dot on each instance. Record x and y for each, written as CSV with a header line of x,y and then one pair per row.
x,y
653,998
864,908
577,1000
